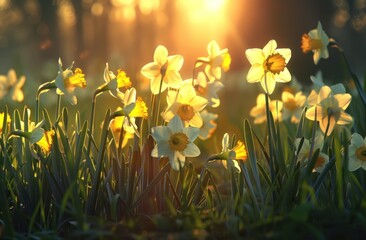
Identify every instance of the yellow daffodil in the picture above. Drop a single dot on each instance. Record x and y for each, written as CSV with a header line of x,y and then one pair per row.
x,y
208,90
163,71
209,126
316,41
268,65
175,142
115,83
186,104
45,143
357,152
217,59
8,121
292,106
304,151
259,111
67,80
330,110
119,125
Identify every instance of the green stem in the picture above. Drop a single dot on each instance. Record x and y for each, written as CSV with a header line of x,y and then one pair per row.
x,y
159,99
44,87
91,125
58,106
360,91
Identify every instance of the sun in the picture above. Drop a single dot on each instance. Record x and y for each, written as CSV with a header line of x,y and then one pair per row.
x,y
213,5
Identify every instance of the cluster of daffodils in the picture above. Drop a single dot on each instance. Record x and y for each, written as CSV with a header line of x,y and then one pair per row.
x,y
325,105
187,101
185,114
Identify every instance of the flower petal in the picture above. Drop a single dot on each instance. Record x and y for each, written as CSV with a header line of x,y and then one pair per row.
x,y
151,70
175,124
191,150
160,55
175,62
191,132
344,118
161,133
343,100
255,74
269,48
284,76
255,55
269,83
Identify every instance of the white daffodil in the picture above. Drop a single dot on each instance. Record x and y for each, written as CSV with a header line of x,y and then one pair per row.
x,y
175,142
229,157
186,104
163,71
208,90
10,83
304,151
292,106
133,107
216,61
115,83
208,126
316,41
259,111
329,110
268,65
357,153
67,80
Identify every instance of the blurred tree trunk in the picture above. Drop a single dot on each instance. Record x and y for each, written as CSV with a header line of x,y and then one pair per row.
x,y
49,21
78,8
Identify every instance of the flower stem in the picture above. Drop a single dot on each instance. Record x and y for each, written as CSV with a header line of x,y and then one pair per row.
x,y
159,98
58,106
91,125
360,91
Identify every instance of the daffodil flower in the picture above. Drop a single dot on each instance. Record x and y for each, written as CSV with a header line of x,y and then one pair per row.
x,y
209,126
207,90
132,108
186,104
269,65
357,152
330,110
175,142
316,41
45,143
292,106
11,84
259,111
304,151
2,121
164,71
67,80
231,156
119,125
34,134
216,61
114,83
